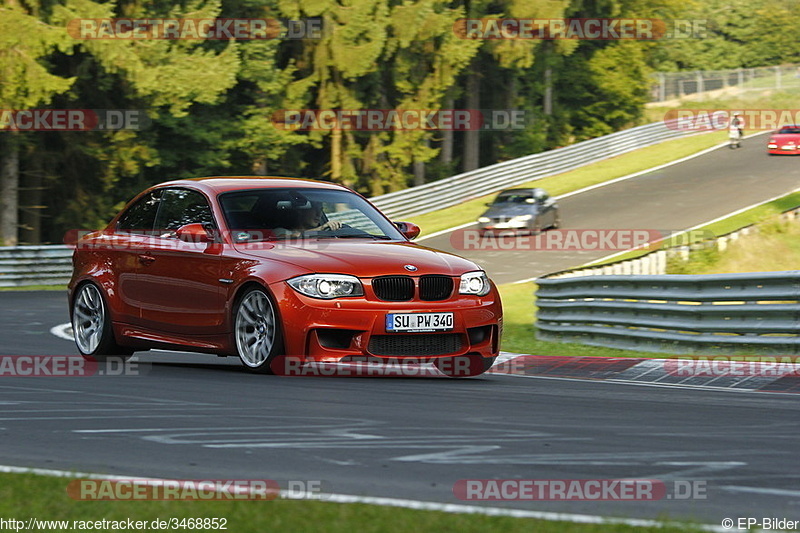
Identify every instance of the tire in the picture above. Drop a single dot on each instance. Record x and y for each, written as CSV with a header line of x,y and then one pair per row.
x,y
556,221
91,325
536,228
257,331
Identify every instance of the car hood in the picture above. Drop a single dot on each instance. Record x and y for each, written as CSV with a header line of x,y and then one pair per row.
x,y
783,137
360,258
511,210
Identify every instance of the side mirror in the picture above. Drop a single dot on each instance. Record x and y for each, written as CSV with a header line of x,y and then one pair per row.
x,y
411,231
193,233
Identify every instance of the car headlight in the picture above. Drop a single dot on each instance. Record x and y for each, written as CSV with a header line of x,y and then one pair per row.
x,y
327,286
484,220
521,218
476,283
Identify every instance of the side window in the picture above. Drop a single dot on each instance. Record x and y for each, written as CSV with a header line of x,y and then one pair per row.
x,y
141,216
180,207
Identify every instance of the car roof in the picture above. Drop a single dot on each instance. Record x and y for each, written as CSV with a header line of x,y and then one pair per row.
x,y
219,184
520,189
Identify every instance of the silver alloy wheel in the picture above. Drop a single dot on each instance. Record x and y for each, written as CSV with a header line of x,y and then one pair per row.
x,y
255,329
88,318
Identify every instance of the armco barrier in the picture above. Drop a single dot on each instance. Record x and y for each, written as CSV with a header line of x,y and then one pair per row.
x,y
731,313
35,265
480,182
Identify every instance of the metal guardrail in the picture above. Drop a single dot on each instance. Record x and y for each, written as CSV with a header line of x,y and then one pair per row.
x,y
754,312
480,182
35,265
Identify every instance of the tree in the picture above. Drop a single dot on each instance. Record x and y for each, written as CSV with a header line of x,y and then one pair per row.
x,y
159,77
26,82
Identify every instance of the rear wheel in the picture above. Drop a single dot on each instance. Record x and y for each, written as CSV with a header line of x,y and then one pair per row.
x,y
258,334
91,325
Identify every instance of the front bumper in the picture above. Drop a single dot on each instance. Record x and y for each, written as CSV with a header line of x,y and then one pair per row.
x,y
347,328
504,226
783,150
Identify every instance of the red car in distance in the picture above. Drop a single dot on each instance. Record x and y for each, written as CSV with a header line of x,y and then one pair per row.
x,y
266,267
785,141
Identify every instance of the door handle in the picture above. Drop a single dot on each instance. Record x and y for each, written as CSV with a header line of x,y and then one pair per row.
x,y
146,259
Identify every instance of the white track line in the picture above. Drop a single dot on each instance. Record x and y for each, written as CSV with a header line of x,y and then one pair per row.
x,y
60,331
395,502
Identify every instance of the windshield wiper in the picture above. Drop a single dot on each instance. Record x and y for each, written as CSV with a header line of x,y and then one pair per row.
x,y
355,236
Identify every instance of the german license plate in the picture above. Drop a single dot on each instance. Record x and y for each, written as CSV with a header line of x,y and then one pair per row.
x,y
418,322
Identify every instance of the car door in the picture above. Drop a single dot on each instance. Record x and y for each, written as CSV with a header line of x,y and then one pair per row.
x,y
123,250
180,286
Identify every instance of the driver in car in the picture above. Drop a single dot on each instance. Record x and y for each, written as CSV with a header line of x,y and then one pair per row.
x,y
306,220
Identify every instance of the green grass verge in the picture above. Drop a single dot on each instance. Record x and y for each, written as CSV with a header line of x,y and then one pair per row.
x,y
26,495
775,247
592,174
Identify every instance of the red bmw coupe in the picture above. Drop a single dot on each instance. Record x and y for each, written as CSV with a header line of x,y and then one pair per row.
x,y
265,267
785,141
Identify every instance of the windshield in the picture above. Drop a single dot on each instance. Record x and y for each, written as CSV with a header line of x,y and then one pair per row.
x,y
790,129
514,198
278,214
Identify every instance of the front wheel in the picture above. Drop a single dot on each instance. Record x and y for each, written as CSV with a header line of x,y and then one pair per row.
x,y
258,334
91,325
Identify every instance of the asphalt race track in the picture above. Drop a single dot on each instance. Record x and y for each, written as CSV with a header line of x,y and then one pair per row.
x,y
677,197
190,416
194,416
